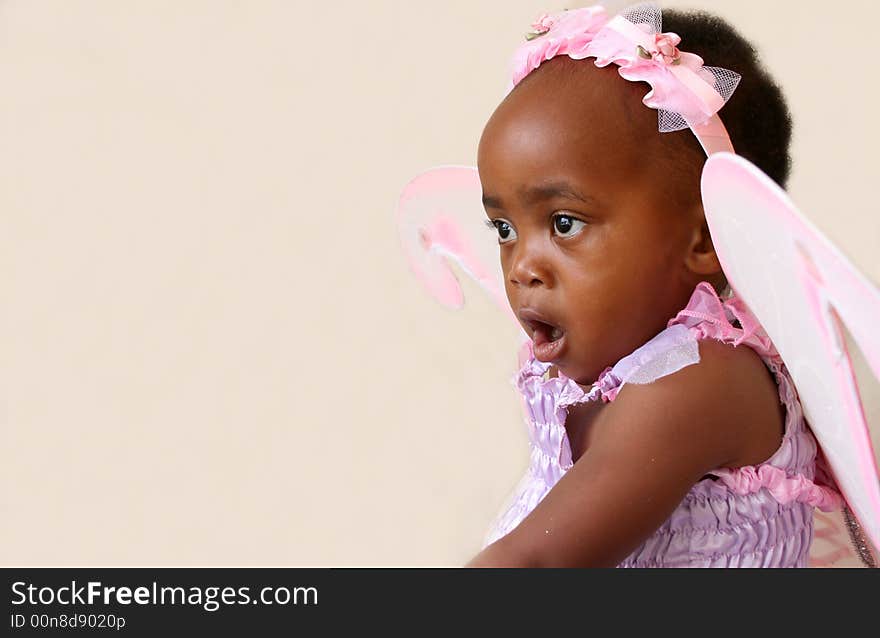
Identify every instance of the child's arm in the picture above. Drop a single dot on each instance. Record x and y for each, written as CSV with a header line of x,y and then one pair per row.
x,y
651,445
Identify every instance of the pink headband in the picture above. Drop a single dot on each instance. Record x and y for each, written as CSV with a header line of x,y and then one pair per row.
x,y
686,93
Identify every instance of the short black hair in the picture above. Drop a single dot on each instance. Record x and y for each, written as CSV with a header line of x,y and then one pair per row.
x,y
756,116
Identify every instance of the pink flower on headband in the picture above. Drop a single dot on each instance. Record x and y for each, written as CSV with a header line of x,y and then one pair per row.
x,y
665,47
543,23
566,32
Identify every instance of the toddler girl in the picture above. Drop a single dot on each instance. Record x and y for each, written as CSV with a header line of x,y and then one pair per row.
x,y
665,429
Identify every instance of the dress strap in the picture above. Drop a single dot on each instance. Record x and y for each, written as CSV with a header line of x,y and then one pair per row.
x,y
710,317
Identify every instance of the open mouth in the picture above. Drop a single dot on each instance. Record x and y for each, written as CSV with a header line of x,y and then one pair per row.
x,y
547,339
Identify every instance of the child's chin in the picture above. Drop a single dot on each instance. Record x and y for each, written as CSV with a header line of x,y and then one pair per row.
x,y
577,374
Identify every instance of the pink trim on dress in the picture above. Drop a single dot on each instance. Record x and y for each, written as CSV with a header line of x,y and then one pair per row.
x,y
708,316
785,489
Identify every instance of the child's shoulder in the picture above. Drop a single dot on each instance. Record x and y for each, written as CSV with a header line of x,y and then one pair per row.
x,y
727,404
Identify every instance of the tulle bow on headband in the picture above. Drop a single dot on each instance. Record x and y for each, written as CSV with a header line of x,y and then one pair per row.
x,y
686,93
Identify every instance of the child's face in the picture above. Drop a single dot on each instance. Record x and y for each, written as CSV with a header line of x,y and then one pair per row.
x,y
593,240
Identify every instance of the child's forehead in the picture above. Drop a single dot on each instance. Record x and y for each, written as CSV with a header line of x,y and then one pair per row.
x,y
573,105
563,119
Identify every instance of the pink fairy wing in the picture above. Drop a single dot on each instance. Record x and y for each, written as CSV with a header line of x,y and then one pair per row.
x,y
803,290
440,217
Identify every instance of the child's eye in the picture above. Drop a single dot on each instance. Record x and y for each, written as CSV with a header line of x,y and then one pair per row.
x,y
567,226
505,230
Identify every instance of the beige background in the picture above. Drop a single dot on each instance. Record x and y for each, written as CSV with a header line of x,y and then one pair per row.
x,y
212,350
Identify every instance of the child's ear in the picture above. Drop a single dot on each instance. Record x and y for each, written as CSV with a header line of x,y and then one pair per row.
x,y
701,258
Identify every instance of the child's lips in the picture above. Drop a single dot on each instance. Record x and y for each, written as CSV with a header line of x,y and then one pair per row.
x,y
546,350
547,337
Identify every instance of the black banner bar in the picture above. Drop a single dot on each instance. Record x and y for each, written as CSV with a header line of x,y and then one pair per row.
x,y
261,601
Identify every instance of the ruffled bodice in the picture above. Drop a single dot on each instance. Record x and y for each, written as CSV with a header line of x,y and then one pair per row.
x,y
754,516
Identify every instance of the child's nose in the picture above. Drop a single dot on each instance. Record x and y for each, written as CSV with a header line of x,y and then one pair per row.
x,y
529,268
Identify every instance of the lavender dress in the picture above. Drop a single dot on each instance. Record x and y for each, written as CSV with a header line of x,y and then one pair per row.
x,y
755,516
